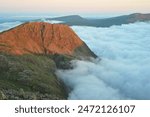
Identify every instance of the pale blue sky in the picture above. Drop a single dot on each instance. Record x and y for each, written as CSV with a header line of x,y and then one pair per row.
x,y
74,6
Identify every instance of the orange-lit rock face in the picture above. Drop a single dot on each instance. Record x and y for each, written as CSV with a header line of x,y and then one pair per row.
x,y
39,38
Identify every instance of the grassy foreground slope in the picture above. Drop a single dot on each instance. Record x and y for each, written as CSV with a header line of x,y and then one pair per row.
x,y
30,77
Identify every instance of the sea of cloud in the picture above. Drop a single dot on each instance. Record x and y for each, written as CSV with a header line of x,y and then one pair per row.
x,y
8,25
124,69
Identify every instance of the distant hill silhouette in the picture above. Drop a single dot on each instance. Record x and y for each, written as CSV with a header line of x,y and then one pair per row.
x,y
106,22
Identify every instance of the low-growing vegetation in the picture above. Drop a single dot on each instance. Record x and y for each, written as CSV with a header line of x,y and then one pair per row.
x,y
31,76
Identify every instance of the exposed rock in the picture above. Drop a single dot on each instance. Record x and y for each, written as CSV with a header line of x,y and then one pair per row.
x,y
42,38
35,50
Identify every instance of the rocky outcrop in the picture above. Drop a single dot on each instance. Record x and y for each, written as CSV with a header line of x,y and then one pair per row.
x,y
29,56
42,38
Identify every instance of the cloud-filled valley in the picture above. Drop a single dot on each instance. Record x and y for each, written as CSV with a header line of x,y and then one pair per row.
x,y
122,72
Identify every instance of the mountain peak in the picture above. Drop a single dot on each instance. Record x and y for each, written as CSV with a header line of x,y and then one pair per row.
x,y
135,14
75,16
138,17
68,18
40,38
